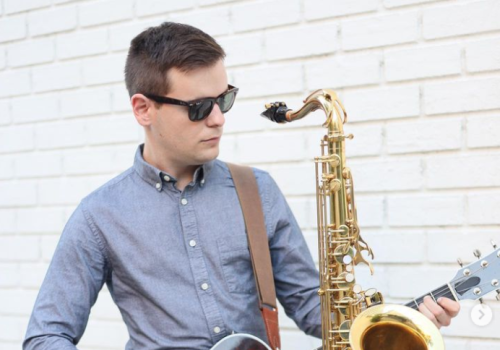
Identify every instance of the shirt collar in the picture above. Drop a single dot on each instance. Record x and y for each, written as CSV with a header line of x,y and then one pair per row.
x,y
157,178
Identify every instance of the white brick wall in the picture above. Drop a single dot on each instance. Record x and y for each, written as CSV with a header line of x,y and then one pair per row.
x,y
420,80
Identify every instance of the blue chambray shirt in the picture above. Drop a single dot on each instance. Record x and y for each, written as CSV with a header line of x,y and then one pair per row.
x,y
176,263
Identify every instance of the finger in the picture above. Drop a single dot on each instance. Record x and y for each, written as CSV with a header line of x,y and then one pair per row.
x,y
427,313
451,307
442,317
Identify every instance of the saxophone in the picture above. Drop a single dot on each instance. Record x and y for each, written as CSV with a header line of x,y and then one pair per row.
x,y
352,318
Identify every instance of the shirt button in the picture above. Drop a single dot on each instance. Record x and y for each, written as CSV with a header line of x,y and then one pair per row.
x,y
184,201
192,243
158,186
167,178
217,330
204,286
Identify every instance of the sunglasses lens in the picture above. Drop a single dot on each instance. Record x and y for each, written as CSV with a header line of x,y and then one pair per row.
x,y
201,111
226,102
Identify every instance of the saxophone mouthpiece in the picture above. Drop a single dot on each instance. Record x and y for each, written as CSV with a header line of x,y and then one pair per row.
x,y
276,112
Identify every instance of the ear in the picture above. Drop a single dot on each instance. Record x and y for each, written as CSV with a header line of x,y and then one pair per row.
x,y
144,109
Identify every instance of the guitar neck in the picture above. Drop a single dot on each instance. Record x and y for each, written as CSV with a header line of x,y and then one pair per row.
x,y
443,291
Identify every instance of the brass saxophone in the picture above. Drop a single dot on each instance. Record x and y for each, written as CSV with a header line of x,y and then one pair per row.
x,y
352,318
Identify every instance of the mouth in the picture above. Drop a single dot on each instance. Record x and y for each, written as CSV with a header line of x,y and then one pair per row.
x,y
213,139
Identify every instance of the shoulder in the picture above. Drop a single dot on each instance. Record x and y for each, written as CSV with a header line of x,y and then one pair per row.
x,y
263,177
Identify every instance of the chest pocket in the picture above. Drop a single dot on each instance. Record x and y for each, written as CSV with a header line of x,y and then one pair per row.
x,y
236,264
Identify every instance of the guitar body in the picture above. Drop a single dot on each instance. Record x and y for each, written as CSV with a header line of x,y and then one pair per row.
x,y
241,342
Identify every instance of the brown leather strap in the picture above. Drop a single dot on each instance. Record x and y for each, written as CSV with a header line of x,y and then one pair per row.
x,y
251,205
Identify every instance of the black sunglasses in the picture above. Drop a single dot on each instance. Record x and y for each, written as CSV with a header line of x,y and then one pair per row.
x,y
200,109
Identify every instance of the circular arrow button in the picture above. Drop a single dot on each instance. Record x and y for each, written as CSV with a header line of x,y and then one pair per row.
x,y
481,315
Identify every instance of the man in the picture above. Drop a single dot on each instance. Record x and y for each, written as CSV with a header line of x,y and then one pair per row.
x,y
167,236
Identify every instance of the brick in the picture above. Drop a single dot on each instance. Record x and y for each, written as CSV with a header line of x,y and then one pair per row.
x,y
410,246
121,35
288,183
379,280
407,64
13,329
483,55
343,71
244,116
18,248
156,7
316,9
460,19
381,104
120,99
99,160
315,40
396,175
112,130
3,58
228,149
61,134
264,14
9,277
424,136
57,77
54,20
17,302
8,220
204,20
85,102
32,275
17,194
105,12
85,43
398,3
13,6
270,80
483,345
48,245
38,164
16,139
15,82
5,114
380,31
367,140
212,2
104,69
425,210
267,148
482,208
35,108
242,49
464,171
12,28
6,167
40,220
62,190
31,52
418,281
483,131
464,241
462,96
370,209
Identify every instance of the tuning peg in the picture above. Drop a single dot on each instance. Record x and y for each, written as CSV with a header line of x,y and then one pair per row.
x,y
459,261
498,294
481,300
477,253
494,244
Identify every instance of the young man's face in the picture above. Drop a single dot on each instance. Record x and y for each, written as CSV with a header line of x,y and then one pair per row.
x,y
182,141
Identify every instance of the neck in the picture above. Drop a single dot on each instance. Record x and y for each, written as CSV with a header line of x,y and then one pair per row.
x,y
183,173
443,291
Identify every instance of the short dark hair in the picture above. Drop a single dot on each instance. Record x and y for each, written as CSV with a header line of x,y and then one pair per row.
x,y
170,45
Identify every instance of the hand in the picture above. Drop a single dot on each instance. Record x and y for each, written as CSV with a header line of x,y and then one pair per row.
x,y
439,313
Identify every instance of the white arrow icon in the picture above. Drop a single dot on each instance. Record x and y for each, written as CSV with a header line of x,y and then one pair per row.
x,y
481,315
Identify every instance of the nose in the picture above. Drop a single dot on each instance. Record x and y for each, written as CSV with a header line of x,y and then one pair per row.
x,y
216,117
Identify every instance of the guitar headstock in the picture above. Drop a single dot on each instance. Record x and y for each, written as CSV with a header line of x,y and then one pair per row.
x,y
478,278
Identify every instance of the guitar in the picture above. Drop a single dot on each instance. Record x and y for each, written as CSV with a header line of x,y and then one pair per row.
x,y
470,282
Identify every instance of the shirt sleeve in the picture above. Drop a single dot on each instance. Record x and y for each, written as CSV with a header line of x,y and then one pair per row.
x,y
295,275
75,276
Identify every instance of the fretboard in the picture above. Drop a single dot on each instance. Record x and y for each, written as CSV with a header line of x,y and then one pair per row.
x,y
443,291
